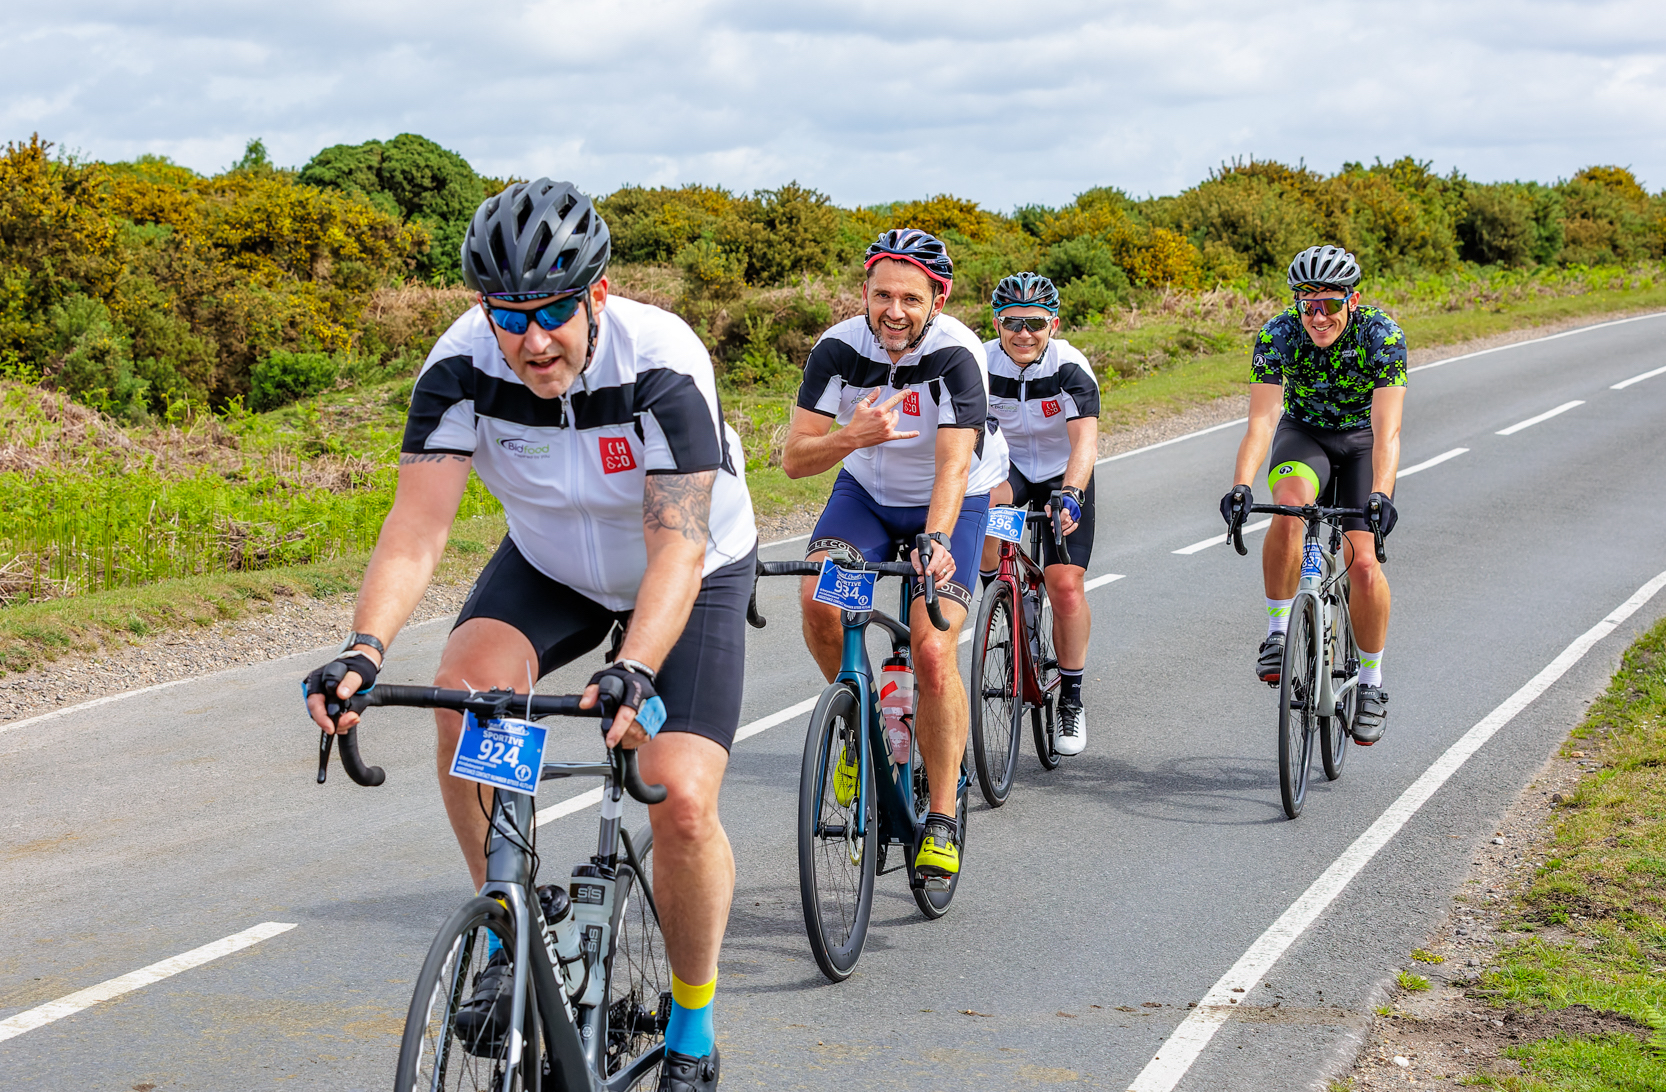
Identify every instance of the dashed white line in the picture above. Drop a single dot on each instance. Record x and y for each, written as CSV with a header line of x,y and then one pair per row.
x,y
1624,383
1427,463
1101,581
1260,525
1547,415
42,1015
1165,1070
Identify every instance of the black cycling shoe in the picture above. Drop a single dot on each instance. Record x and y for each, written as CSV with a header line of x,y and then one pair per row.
x,y
1269,664
1372,717
482,1021
684,1073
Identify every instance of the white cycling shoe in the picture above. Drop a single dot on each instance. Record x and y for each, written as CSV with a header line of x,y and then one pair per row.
x,y
1071,737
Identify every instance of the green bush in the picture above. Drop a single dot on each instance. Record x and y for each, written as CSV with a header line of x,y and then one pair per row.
x,y
95,366
1084,301
285,377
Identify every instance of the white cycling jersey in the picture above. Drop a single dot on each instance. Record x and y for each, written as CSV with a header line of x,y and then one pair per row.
x,y
1034,402
944,377
570,471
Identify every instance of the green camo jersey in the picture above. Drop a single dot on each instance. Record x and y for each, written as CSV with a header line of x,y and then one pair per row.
x,y
1331,388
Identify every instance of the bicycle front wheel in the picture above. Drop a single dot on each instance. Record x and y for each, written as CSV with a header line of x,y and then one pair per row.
x,y
434,1055
995,706
1344,665
835,862
639,978
1297,695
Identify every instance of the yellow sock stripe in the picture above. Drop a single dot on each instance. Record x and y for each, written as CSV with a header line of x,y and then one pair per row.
x,y
692,997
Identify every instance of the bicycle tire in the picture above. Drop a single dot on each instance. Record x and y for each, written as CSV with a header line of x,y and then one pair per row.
x,y
432,1056
639,987
934,904
1042,723
1335,731
1297,719
836,891
996,711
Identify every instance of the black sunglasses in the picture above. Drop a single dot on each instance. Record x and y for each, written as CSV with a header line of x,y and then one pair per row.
x,y
1034,325
551,316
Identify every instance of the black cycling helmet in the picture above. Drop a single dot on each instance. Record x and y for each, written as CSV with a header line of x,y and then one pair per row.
x,y
917,247
1025,290
535,239
1320,267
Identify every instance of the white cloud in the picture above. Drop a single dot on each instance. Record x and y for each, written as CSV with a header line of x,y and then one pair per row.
x,y
867,101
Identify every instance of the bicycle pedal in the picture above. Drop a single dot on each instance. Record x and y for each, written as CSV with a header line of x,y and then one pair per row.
x,y
935,883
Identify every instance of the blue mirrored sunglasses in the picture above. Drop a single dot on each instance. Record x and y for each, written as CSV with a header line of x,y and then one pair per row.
x,y
551,316
1329,307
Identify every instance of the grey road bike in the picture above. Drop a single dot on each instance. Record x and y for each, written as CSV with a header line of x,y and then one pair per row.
x,y
591,988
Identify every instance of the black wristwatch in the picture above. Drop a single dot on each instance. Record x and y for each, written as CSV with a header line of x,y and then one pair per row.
x,y
1072,491
356,639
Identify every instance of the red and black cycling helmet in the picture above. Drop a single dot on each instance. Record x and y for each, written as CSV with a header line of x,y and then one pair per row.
x,y
920,248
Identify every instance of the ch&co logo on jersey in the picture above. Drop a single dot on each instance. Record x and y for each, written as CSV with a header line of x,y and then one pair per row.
x,y
911,404
616,455
524,449
1050,408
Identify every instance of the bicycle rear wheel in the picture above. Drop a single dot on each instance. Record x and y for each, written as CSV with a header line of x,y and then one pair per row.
x,y
835,864
1297,718
639,978
1334,730
996,710
433,1056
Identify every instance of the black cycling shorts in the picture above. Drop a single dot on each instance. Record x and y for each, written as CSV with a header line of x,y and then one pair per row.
x,y
700,680
1035,495
1339,460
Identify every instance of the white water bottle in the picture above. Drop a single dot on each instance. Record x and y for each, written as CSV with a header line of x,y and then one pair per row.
x,y
896,707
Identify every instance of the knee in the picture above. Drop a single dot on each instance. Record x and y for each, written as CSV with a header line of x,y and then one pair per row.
x,y
687,816
1069,597
936,667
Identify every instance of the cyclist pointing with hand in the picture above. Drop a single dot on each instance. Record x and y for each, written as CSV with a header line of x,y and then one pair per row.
x,y
907,384
594,419
1338,370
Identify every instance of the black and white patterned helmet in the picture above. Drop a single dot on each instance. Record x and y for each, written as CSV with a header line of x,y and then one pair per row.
x,y
1025,290
535,239
1320,267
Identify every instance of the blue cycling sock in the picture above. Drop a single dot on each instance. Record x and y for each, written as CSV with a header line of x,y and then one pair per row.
x,y
493,944
690,1029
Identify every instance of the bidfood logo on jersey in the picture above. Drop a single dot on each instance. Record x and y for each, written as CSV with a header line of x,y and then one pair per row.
x,y
524,449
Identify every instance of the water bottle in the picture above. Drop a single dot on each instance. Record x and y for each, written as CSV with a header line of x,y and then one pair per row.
x,y
592,902
561,939
896,706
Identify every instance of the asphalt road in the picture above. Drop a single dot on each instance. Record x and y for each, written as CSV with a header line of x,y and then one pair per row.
x,y
1096,906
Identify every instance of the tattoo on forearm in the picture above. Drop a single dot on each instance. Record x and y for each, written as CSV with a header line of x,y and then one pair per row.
x,y
679,502
409,458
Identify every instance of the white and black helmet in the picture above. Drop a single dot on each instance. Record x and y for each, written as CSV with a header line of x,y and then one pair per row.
x,y
1320,267
535,239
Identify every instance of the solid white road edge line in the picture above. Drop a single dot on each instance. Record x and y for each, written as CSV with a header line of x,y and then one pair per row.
x,y
156,972
1218,539
1427,463
1165,1070
1623,384
1531,421
1166,443
1536,340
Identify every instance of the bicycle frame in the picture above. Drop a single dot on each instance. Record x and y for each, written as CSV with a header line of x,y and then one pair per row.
x,y
1019,570
1319,579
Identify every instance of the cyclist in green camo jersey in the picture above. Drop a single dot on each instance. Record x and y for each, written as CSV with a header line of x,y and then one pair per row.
x,y
1337,369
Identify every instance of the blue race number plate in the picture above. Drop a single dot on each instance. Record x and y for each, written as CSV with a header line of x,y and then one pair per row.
x,y
505,754
847,589
1006,524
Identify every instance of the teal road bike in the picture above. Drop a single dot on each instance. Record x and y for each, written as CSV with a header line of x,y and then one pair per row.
x,y
843,844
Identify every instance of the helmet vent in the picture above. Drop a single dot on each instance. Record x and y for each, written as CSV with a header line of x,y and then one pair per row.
x,y
500,253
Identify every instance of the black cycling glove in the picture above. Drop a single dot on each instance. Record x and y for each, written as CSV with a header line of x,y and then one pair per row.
x,y
326,680
1387,517
1236,505
633,690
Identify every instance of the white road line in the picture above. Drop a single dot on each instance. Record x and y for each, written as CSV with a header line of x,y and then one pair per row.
x,y
1165,1070
82,999
1536,340
1427,463
1166,443
781,716
1531,421
1218,539
1101,581
1623,384
583,800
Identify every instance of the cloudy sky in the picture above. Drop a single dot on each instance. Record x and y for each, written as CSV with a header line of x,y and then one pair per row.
x,y
1006,103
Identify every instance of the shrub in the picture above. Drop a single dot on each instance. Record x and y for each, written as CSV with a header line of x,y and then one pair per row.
x,y
284,377
1084,301
95,366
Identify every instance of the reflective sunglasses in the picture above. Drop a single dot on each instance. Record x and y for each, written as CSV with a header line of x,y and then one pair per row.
x,y
551,316
1034,325
1314,307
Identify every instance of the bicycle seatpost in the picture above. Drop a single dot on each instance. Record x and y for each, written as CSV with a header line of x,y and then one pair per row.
x,y
928,583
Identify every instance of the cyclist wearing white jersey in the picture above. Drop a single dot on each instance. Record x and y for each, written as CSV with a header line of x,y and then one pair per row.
x,y
907,384
595,421
1044,396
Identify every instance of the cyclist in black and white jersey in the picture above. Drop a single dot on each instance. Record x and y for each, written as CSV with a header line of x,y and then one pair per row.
x,y
906,383
1044,396
595,421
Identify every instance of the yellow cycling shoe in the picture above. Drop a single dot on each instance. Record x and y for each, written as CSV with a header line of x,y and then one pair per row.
x,y
938,854
844,777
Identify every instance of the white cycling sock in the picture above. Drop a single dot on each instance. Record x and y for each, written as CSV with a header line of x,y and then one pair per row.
x,y
1370,668
1278,615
